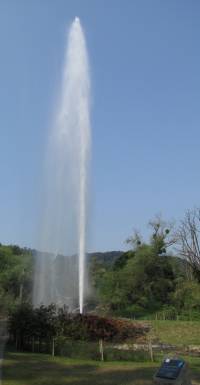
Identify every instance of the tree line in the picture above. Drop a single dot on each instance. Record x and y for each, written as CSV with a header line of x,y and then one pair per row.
x,y
155,278
37,328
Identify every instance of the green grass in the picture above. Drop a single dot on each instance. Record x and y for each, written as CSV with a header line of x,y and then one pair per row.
x,y
38,369
177,332
25,369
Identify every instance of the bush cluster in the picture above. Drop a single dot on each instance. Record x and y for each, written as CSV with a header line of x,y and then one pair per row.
x,y
45,323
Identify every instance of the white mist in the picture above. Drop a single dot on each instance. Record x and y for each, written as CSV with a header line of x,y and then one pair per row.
x,y
67,161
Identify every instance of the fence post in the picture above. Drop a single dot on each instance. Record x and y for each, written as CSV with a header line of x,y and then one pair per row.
x,y
33,344
163,316
151,349
101,349
53,347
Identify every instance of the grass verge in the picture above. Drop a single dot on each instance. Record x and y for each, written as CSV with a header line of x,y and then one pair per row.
x,y
177,332
40,369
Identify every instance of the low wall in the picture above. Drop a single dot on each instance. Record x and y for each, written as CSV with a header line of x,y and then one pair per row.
x,y
160,348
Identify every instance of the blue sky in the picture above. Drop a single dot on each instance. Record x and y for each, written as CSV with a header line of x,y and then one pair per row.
x,y
145,70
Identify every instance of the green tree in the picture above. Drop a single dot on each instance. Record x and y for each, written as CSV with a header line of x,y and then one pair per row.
x,y
16,266
187,298
141,280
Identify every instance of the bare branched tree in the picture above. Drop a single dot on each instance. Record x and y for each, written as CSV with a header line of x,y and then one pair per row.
x,y
163,230
162,235
135,240
188,235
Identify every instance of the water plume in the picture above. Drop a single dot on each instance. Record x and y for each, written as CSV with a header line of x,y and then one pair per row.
x,y
59,279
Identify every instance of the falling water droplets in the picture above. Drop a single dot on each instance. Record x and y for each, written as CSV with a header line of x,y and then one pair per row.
x,y
67,162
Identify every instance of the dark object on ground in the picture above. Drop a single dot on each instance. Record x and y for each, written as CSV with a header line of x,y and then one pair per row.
x,y
173,371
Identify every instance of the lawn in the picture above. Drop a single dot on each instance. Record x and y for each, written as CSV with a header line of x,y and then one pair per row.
x,y
177,332
38,369
41,369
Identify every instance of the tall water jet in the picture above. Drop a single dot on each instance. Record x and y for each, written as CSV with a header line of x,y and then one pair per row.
x,y
59,280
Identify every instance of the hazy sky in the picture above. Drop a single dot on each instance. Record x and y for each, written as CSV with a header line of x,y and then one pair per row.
x,y
145,70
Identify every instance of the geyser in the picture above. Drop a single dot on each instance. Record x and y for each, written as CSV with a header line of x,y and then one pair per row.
x,y
59,279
